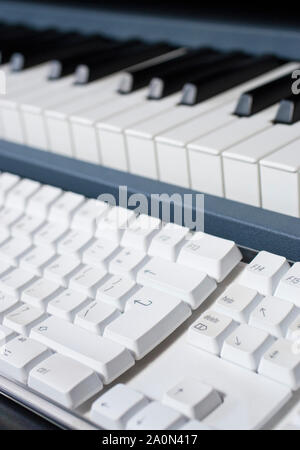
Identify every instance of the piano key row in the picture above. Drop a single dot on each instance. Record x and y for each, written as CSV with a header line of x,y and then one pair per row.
x,y
243,156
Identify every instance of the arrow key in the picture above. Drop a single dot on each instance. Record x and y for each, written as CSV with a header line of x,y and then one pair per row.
x,y
193,398
116,407
274,316
246,346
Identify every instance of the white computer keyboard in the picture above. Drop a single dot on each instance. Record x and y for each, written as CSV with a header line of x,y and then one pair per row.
x,y
120,322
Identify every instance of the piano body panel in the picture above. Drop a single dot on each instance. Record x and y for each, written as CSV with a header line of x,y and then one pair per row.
x,y
253,229
282,41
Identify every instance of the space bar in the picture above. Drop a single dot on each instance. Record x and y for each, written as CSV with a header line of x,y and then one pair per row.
x,y
107,358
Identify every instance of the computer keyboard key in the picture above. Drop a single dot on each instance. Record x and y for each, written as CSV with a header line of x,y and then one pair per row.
x,y
4,267
23,318
96,316
127,262
6,334
116,291
293,331
245,346
192,398
238,302
215,256
19,195
8,216
66,304
63,209
116,407
150,316
264,272
86,217
16,281
282,363
166,244
19,356
74,243
49,379
37,259
273,315
140,232
62,269
40,292
289,285
26,226
156,416
40,203
100,354
210,331
7,304
87,280
114,223
50,234
192,286
13,250
99,252
7,182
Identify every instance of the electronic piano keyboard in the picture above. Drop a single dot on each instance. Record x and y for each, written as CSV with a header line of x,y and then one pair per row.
x,y
89,103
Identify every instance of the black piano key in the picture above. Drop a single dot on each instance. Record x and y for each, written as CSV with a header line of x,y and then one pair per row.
x,y
31,43
289,110
13,37
60,47
206,65
66,62
96,69
209,86
137,78
263,96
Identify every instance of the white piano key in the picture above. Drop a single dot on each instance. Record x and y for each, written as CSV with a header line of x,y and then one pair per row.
x,y
205,152
241,162
280,180
48,378
100,354
146,131
111,132
150,316
85,136
171,145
